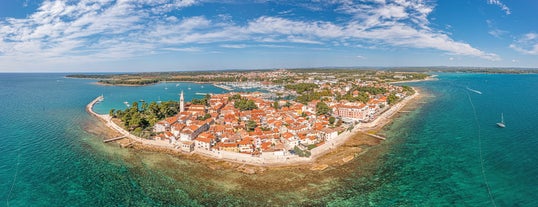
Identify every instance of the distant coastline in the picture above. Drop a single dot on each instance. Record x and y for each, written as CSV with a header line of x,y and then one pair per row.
x,y
429,78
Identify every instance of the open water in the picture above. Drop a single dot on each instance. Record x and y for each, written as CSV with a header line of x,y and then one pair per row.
x,y
448,152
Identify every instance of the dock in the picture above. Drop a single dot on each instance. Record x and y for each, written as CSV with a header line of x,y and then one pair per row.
x,y
130,144
375,136
113,139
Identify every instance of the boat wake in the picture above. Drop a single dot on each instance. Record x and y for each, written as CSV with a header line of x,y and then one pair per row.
x,y
474,90
14,177
492,199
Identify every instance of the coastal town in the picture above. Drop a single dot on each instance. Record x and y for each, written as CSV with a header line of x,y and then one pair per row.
x,y
251,128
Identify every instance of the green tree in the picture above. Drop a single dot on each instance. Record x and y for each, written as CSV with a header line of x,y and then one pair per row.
x,y
339,122
145,107
392,99
245,104
153,109
134,106
275,105
288,104
204,117
331,120
370,89
322,108
235,97
408,90
111,113
251,125
202,101
301,87
145,119
300,152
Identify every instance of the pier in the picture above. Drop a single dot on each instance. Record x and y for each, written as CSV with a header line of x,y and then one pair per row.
x,y
113,139
375,136
130,144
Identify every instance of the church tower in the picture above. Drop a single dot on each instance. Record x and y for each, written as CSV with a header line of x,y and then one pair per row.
x,y
181,103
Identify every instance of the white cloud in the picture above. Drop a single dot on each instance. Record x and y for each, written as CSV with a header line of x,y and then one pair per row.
x,y
234,46
185,49
494,31
501,5
91,30
86,29
527,44
402,23
497,33
275,46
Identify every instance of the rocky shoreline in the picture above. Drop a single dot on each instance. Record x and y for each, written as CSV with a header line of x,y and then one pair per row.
x,y
321,161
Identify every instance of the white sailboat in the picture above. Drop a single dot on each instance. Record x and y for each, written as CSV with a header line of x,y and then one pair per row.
x,y
501,124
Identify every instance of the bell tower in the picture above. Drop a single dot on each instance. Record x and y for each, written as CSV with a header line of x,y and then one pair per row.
x,y
181,102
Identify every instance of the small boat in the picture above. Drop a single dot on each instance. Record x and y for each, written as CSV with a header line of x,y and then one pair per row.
x,y
501,124
177,85
476,91
189,88
126,103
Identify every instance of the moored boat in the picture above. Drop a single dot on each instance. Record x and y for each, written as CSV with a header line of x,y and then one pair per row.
x,y
501,124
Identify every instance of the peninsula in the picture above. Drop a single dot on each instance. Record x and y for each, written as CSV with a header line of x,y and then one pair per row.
x,y
262,128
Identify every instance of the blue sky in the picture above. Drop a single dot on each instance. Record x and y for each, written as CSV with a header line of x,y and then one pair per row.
x,y
176,35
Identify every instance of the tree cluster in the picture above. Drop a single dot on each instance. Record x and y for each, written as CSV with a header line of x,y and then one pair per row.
x,y
392,99
244,104
250,125
322,108
202,101
301,87
204,117
408,90
129,81
301,153
362,97
311,95
89,76
234,97
369,89
141,119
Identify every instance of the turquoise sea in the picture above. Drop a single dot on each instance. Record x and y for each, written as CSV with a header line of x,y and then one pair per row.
x,y
447,152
